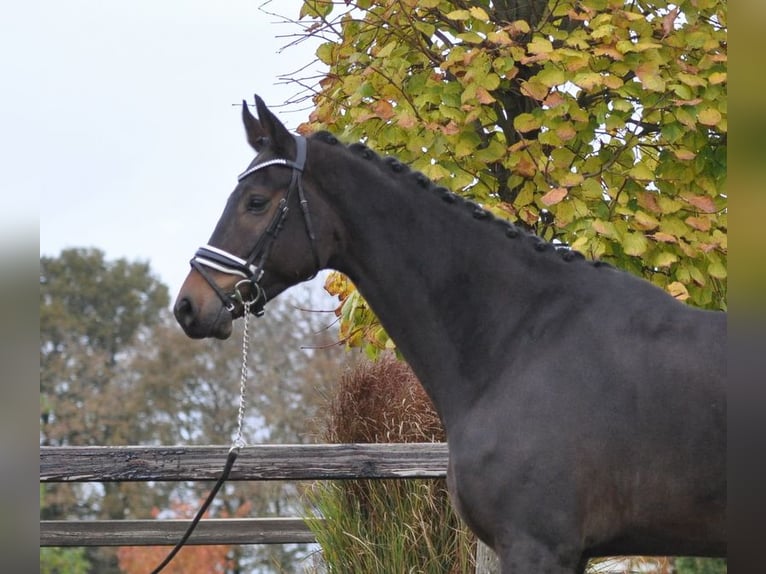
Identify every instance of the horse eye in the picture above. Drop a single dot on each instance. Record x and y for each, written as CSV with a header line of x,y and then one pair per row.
x,y
257,203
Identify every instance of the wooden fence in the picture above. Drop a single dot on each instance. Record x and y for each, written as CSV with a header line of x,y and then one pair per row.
x,y
204,463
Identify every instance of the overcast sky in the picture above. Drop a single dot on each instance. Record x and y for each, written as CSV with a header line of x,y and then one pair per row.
x,y
117,118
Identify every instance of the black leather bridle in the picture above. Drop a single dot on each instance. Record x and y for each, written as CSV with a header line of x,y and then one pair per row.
x,y
251,268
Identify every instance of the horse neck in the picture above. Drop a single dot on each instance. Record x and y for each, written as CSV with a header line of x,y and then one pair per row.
x,y
434,275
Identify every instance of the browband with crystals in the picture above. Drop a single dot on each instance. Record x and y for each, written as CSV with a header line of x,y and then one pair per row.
x,y
277,161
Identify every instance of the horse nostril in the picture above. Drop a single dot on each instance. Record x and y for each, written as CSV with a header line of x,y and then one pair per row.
x,y
184,310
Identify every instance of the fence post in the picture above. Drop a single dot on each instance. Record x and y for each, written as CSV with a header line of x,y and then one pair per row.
x,y
486,560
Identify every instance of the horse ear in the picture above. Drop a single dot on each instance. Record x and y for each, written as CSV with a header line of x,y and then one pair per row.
x,y
280,139
256,135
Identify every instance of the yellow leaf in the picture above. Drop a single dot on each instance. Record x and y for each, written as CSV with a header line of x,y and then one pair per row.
x,y
479,13
450,129
500,37
525,197
570,179
566,132
603,227
702,202
684,154
645,221
678,290
540,46
717,269
526,123
471,37
554,196
386,50
383,109
484,96
717,78
588,80
664,259
691,80
664,237
649,75
580,243
534,89
641,172
698,223
518,27
709,117
527,168
635,244
551,77
459,15
406,121
325,53
612,82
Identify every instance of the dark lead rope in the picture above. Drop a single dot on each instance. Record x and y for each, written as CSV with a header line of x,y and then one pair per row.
x,y
250,270
233,453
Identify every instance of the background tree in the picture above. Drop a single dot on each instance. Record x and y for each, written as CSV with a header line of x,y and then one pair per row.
x,y
116,369
599,124
91,311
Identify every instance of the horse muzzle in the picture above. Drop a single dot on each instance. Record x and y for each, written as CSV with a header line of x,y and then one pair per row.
x,y
200,321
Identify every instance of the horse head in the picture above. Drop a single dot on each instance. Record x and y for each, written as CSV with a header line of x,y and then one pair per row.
x,y
256,251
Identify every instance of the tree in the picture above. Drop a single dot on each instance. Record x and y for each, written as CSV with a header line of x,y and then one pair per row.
x,y
91,311
116,369
598,124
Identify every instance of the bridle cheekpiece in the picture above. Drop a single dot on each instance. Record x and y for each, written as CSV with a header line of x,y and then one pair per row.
x,y
251,269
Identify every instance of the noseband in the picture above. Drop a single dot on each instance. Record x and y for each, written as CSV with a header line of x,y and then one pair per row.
x,y
251,269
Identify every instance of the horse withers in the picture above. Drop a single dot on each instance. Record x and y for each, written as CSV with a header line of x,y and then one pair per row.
x,y
585,408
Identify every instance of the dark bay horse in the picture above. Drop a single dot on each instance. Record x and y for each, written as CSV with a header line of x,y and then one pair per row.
x,y
585,409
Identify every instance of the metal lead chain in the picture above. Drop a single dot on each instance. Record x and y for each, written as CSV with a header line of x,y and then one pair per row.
x,y
238,443
238,440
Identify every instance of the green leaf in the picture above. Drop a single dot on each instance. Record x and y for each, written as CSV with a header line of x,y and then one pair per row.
x,y
664,259
526,123
709,117
635,244
479,13
551,76
717,269
325,53
540,45
467,143
470,37
459,15
641,172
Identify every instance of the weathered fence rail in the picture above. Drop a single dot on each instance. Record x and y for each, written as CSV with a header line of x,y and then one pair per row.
x,y
261,462
204,463
168,532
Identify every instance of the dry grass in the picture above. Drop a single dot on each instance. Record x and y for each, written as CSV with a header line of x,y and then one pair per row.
x,y
379,527
382,401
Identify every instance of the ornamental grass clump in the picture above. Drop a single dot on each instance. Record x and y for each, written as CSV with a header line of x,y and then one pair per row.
x,y
385,526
